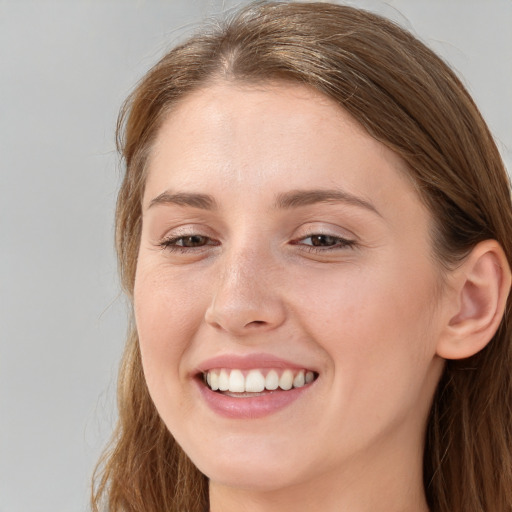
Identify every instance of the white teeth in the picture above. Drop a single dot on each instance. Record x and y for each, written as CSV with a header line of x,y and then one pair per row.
x,y
213,380
236,382
272,380
223,380
299,380
286,380
255,381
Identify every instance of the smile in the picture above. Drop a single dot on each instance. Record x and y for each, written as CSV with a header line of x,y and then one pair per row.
x,y
252,386
227,380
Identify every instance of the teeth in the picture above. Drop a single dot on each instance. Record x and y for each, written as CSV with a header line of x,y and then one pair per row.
x,y
213,380
255,381
272,380
286,380
299,380
223,380
236,382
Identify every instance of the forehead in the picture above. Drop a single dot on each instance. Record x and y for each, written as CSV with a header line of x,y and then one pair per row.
x,y
268,138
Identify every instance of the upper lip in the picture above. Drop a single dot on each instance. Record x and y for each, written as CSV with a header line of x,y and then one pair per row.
x,y
247,362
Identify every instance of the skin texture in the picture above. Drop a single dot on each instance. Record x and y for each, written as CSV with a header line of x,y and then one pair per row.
x,y
366,315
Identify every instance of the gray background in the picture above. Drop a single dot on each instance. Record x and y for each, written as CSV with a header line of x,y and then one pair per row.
x,y
65,67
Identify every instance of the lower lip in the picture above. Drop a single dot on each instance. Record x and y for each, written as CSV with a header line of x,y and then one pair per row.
x,y
250,407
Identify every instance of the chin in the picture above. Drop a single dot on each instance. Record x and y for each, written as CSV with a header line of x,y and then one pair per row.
x,y
261,478
260,468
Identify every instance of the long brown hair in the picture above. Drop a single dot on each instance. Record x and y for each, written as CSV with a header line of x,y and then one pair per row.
x,y
407,98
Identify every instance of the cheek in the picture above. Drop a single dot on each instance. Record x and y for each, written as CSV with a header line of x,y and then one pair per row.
x,y
167,316
379,338
373,301
378,327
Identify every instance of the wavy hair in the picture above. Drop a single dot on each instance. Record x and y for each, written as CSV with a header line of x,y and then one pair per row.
x,y
407,98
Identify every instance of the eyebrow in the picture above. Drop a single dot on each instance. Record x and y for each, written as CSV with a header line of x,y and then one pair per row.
x,y
203,201
284,201
298,198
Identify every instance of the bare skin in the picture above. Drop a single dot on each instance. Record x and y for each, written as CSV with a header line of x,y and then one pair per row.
x,y
237,259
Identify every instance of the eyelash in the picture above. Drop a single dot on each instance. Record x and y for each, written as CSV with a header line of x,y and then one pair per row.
x,y
171,243
341,243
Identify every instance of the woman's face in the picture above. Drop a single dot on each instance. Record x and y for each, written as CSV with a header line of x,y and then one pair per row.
x,y
283,246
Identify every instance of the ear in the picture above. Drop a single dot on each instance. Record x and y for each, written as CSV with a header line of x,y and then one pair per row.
x,y
478,295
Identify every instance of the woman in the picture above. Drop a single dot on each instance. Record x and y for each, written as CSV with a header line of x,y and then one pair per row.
x,y
314,228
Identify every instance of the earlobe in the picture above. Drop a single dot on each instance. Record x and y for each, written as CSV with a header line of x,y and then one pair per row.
x,y
481,286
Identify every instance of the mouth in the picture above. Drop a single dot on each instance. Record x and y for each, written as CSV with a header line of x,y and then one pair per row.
x,y
246,383
254,385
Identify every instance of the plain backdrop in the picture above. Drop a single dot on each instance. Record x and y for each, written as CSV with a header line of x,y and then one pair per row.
x,y
65,68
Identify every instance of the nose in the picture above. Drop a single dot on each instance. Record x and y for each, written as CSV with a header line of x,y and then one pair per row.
x,y
246,297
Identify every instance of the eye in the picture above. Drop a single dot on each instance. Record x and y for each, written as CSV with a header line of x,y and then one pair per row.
x,y
184,243
191,241
320,242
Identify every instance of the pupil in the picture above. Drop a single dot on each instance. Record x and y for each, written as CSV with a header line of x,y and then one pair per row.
x,y
193,241
323,240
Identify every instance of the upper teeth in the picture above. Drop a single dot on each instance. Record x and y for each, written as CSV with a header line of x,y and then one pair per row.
x,y
256,381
